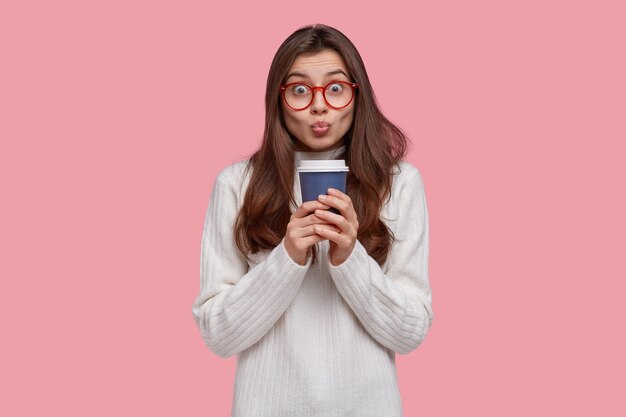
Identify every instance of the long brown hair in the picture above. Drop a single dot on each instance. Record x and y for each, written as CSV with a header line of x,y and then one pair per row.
x,y
373,145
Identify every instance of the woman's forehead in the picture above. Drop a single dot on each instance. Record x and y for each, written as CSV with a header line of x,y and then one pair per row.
x,y
318,63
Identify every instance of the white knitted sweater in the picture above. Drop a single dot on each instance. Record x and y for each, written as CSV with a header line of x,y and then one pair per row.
x,y
316,340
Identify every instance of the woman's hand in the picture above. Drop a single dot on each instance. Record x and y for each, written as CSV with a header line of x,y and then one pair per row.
x,y
300,235
342,242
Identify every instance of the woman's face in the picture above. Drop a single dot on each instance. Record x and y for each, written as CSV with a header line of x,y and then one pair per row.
x,y
318,70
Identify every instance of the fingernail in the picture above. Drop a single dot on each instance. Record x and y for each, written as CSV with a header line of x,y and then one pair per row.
x,y
319,212
322,197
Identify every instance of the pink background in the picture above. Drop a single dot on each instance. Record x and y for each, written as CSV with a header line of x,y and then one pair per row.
x,y
116,116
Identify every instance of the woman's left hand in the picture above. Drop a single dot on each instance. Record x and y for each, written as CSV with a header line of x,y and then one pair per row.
x,y
342,243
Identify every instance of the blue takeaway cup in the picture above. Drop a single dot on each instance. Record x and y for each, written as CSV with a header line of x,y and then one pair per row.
x,y
317,176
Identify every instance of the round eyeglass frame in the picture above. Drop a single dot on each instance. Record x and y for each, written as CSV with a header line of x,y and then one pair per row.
x,y
353,86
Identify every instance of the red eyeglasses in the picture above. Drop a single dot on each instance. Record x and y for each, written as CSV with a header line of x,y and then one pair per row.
x,y
337,94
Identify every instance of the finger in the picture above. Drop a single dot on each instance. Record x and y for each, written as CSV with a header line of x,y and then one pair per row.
x,y
345,207
350,213
310,230
313,239
335,201
335,219
339,238
311,219
330,227
308,207
339,193
304,227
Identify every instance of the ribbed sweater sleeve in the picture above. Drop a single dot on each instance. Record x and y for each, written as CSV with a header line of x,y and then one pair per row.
x,y
394,307
236,307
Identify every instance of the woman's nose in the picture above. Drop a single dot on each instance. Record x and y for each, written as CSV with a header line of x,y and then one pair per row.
x,y
319,104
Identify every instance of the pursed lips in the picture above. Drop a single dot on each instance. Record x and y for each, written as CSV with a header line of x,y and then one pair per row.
x,y
320,124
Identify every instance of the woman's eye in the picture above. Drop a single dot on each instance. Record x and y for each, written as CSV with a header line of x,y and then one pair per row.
x,y
300,89
335,88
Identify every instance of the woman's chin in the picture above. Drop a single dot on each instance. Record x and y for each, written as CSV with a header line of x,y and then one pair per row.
x,y
320,143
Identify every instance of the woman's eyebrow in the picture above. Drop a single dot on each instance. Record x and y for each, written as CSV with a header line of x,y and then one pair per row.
x,y
333,72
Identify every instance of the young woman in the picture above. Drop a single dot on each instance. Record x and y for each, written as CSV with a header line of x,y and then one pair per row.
x,y
315,304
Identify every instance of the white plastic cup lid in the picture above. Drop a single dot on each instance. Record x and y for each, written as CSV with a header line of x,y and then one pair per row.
x,y
323,165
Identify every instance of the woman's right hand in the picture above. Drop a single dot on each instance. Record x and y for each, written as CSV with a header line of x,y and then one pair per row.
x,y
301,235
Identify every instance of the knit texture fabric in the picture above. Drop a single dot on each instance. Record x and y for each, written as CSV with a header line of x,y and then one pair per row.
x,y
317,340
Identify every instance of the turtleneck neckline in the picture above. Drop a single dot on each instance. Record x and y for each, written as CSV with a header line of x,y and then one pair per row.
x,y
329,154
